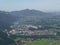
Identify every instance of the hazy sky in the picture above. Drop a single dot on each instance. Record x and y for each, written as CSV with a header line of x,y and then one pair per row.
x,y
43,5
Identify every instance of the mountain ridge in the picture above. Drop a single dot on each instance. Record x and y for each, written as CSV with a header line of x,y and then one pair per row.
x,y
26,16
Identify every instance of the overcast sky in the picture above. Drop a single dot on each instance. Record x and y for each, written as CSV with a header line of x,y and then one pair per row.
x,y
43,5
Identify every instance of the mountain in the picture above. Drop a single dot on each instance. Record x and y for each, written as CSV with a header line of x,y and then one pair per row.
x,y
36,17
28,12
28,16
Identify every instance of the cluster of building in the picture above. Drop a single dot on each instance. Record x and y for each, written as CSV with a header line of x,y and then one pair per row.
x,y
30,32
26,31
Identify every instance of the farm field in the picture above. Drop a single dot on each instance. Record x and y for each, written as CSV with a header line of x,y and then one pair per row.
x,y
43,42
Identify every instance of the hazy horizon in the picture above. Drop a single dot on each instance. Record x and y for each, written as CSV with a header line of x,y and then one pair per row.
x,y
43,5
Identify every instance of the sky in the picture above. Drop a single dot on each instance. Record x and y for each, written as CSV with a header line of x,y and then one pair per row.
x,y
43,5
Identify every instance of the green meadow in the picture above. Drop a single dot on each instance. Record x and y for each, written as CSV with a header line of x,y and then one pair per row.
x,y
43,42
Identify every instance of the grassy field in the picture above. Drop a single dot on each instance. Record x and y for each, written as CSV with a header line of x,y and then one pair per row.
x,y
43,42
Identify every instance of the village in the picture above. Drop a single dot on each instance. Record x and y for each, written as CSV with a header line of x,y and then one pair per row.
x,y
26,30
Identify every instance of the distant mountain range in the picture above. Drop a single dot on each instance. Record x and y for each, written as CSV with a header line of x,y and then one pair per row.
x,y
28,16
36,17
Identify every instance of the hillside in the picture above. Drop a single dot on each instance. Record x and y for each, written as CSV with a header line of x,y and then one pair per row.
x,y
29,17
6,20
36,17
